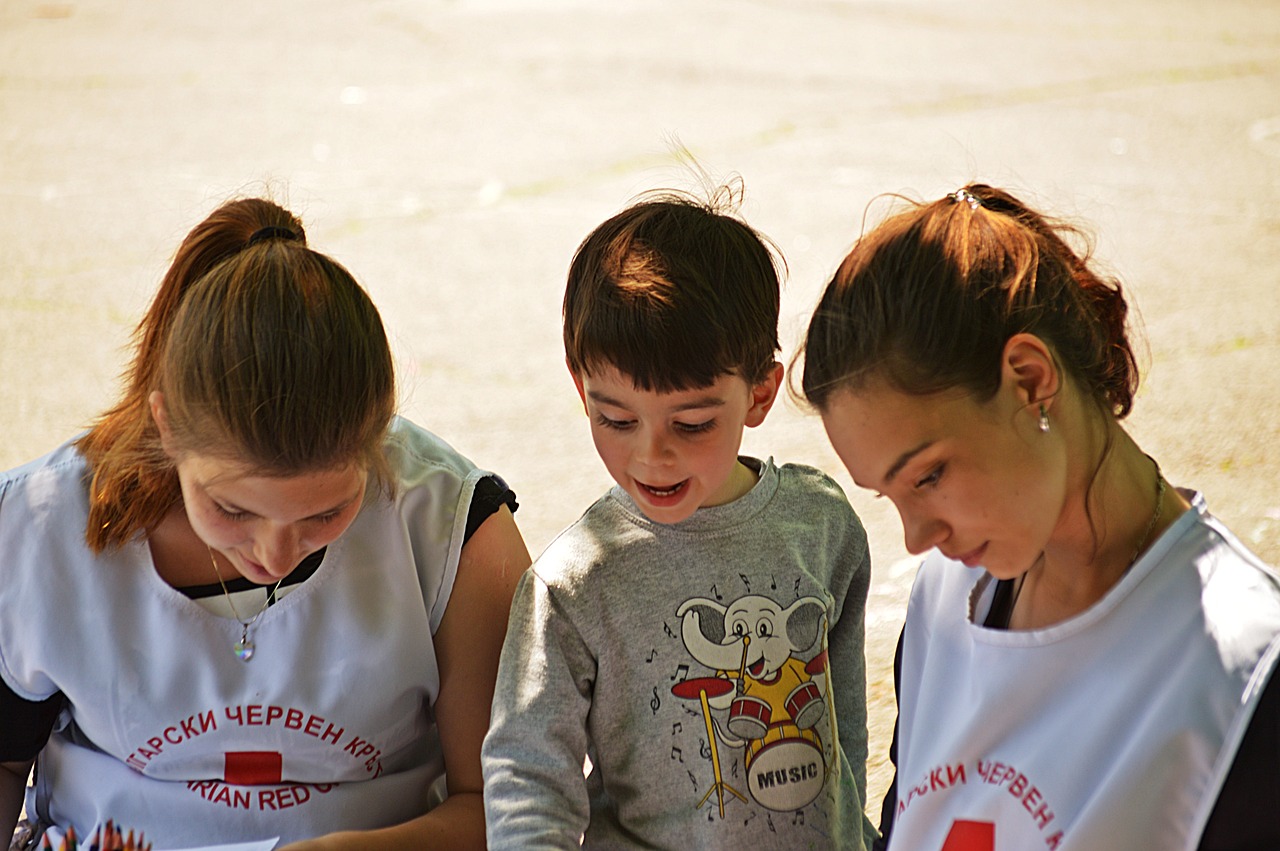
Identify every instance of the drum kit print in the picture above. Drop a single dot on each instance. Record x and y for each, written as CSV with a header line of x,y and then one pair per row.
x,y
783,755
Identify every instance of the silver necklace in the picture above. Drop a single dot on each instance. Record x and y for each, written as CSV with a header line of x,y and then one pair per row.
x,y
244,647
1154,517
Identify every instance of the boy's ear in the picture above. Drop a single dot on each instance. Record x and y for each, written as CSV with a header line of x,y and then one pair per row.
x,y
577,382
763,395
1028,369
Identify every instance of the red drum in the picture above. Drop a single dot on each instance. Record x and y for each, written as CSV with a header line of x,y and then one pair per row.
x,y
749,717
804,705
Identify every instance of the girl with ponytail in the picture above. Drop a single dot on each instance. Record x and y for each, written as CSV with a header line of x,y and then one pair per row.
x,y
250,602
1087,650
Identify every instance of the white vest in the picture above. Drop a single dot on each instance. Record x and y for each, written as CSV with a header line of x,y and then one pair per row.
x,y
329,726
1114,729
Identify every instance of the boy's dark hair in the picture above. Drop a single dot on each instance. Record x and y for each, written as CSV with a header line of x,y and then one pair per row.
x,y
673,294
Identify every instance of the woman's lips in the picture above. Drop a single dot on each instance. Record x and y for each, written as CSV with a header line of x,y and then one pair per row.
x,y
973,558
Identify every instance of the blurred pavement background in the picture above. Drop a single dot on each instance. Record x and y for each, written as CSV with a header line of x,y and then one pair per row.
x,y
452,153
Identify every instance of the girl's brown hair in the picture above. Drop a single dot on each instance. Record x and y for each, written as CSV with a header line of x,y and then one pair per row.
x,y
927,300
267,353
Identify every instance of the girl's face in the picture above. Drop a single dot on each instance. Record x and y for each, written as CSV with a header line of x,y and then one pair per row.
x,y
978,481
266,525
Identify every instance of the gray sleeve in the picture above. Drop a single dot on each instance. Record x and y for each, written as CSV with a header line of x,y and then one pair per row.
x,y
535,794
849,665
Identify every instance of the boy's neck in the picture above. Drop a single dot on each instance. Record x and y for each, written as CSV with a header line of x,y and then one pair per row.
x,y
740,483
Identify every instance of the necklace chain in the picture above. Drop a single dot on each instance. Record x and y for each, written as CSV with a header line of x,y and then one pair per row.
x,y
1155,516
1151,525
243,648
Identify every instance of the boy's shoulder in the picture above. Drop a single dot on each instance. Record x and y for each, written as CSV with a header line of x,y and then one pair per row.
x,y
590,540
808,488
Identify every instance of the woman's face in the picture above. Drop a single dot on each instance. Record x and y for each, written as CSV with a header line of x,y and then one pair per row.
x,y
978,481
266,525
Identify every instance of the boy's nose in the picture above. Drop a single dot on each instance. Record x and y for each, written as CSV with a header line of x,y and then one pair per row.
x,y
653,446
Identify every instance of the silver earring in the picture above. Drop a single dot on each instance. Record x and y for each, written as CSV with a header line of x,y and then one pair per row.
x,y
1044,420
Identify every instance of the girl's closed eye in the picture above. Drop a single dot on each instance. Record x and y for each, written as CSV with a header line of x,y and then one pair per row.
x,y
230,514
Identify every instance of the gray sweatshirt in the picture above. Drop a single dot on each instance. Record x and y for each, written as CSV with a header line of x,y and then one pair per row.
x,y
710,671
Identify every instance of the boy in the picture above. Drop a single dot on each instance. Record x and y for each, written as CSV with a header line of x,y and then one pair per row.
x,y
677,635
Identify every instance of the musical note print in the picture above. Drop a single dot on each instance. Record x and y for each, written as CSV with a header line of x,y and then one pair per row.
x,y
652,654
671,634
676,728
716,592
704,749
681,674
745,581
799,815
656,702
677,754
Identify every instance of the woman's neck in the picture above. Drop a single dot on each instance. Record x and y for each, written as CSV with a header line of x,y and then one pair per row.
x,y
1115,508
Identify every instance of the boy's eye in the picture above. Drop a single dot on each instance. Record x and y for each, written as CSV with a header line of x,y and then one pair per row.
x,y
696,428
620,425
327,518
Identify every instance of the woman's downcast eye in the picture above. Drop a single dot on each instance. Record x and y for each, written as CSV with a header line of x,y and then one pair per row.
x,y
932,477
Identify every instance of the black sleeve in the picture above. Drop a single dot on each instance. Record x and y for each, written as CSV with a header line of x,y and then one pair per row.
x,y
491,493
1247,814
890,802
27,724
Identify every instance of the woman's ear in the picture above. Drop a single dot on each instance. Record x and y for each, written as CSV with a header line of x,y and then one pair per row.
x,y
763,395
1028,368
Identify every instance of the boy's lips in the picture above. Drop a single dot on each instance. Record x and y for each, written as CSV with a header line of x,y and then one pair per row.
x,y
662,495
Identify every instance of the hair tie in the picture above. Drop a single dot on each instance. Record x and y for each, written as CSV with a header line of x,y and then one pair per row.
x,y
271,232
964,196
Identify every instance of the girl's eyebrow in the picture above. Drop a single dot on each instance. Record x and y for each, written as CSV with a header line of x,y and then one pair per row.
x,y
236,509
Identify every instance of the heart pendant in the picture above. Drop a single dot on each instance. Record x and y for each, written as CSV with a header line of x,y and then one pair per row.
x,y
243,649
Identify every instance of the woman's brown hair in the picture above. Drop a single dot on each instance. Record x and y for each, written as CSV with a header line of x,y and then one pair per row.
x,y
267,353
927,299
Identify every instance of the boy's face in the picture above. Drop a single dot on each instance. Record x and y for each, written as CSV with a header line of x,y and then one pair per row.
x,y
675,452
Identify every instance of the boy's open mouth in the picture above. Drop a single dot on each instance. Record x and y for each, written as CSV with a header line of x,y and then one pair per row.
x,y
670,490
